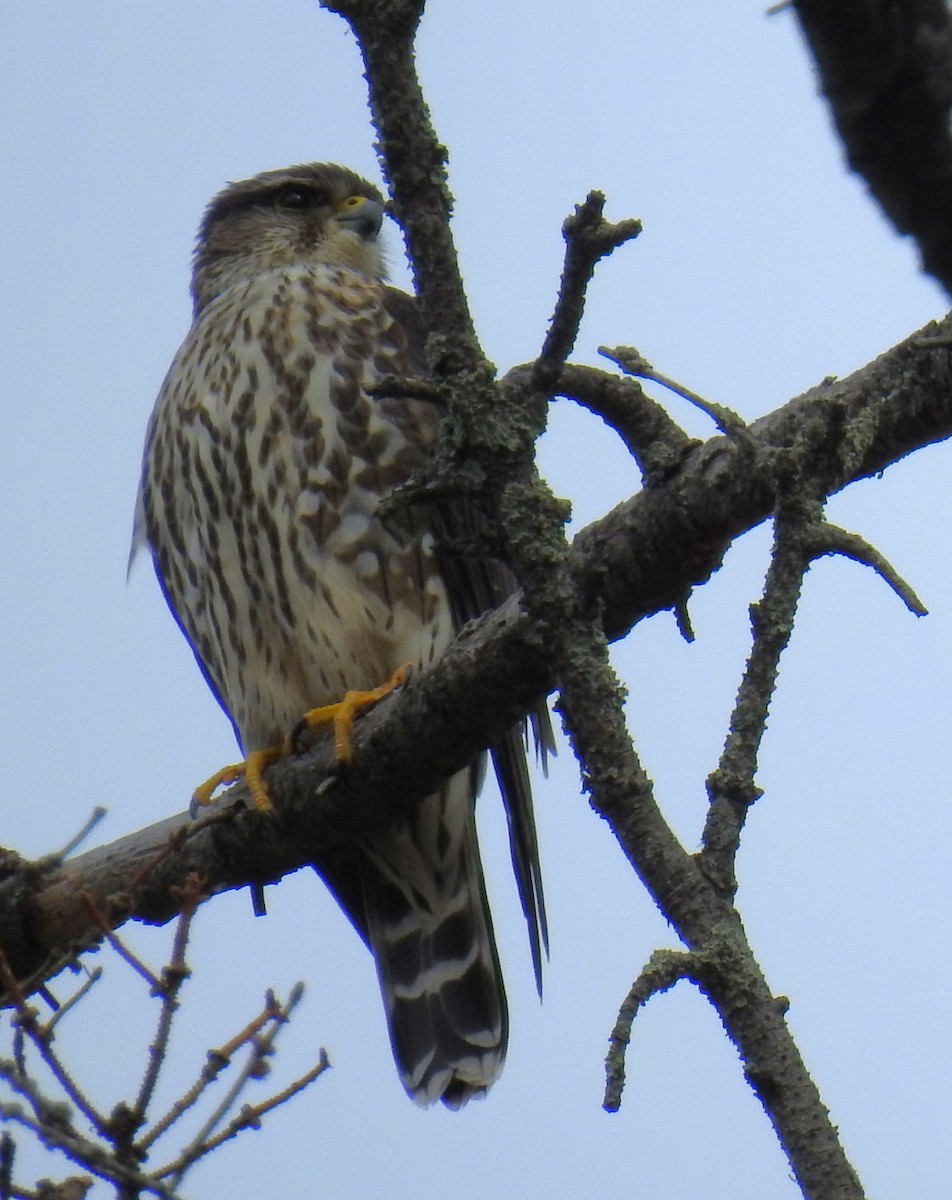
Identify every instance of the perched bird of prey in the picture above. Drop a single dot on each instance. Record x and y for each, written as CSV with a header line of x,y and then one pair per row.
x,y
267,456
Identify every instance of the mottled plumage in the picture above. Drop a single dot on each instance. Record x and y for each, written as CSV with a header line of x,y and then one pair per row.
x,y
265,462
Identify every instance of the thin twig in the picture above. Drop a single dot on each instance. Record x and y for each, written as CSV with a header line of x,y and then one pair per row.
x,y
662,971
73,1188
656,442
77,840
85,1153
272,1011
261,1047
217,1061
588,239
8,1151
72,1089
41,1039
826,539
9,983
249,1118
19,1051
173,976
92,978
102,923
408,387
212,1068
730,423
731,786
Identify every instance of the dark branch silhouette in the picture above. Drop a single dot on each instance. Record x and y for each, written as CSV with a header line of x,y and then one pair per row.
x,y
886,70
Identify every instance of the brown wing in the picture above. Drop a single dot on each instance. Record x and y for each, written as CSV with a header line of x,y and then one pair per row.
x,y
477,583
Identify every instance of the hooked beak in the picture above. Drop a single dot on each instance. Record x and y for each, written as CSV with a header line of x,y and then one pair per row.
x,y
362,215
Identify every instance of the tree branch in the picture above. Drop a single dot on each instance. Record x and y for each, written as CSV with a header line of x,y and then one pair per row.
x,y
886,70
731,788
643,556
656,442
637,560
588,239
414,165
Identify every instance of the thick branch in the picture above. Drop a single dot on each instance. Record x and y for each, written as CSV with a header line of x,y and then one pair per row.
x,y
640,558
674,535
414,166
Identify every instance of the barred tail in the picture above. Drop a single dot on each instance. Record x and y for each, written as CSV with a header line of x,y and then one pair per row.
x,y
431,934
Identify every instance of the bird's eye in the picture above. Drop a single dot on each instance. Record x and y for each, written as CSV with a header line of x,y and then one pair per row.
x,y
294,197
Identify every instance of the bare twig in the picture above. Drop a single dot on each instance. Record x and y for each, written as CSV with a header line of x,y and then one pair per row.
x,y
7,1157
827,539
60,1135
588,239
656,442
217,1061
801,536
118,1156
409,388
727,421
173,976
101,920
261,1046
662,971
249,1118
92,978
77,840
41,1038
731,787
73,1188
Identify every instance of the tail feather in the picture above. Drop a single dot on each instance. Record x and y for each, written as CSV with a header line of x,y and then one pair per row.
x,y
431,934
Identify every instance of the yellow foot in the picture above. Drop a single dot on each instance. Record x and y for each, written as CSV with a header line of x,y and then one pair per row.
x,y
251,769
342,714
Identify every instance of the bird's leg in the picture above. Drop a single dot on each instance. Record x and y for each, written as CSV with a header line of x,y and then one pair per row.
x,y
251,769
341,715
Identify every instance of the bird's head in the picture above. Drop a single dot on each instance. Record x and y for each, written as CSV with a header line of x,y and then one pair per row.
x,y
314,213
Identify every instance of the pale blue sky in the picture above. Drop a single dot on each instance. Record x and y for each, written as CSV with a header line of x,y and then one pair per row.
x,y
762,269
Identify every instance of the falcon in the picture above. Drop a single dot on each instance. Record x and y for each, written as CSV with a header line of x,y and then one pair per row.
x,y
267,456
